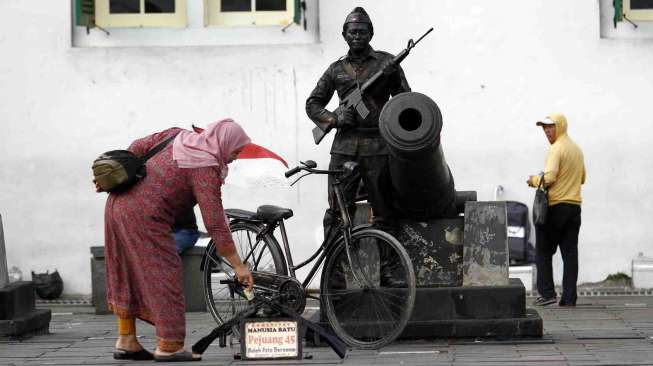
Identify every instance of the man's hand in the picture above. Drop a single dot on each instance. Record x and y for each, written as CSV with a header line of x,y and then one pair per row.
x,y
530,181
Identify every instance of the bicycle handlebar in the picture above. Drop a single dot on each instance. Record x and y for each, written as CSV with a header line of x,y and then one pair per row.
x,y
309,166
293,171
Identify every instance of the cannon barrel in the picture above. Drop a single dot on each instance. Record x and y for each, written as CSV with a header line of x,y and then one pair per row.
x,y
423,187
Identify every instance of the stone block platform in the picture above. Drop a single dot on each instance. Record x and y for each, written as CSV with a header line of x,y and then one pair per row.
x,y
601,330
18,315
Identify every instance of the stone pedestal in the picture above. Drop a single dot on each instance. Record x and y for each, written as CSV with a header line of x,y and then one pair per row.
x,y
192,279
436,249
476,311
461,267
526,274
468,312
4,272
485,254
18,315
98,281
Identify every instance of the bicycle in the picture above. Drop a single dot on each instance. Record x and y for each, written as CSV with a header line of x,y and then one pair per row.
x,y
367,289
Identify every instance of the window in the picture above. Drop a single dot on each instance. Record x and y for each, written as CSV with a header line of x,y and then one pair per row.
x,y
250,12
638,9
617,24
121,23
140,13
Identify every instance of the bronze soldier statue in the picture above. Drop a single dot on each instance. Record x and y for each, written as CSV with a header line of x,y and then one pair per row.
x,y
358,139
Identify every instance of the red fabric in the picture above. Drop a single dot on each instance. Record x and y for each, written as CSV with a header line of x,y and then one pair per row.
x,y
144,272
253,151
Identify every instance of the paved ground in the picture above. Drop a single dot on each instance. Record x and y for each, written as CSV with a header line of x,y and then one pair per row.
x,y
602,330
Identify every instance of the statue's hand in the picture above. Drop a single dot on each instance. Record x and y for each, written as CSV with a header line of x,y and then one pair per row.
x,y
328,118
390,68
346,117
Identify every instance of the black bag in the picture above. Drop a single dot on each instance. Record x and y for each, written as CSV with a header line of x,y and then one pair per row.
x,y
541,203
49,286
520,250
118,170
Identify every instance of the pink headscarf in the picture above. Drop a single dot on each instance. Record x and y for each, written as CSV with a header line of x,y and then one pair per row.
x,y
211,147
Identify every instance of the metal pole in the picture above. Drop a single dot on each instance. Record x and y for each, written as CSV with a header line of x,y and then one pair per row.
x,y
4,275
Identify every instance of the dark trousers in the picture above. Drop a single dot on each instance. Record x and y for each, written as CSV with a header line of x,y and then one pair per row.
x,y
561,229
375,174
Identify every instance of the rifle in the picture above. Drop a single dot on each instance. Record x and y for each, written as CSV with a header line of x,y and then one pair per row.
x,y
354,98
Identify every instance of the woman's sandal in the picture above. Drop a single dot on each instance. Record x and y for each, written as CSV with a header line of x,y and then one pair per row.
x,y
177,357
142,355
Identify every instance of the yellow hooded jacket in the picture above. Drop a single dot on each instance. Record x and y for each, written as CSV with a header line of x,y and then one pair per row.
x,y
565,167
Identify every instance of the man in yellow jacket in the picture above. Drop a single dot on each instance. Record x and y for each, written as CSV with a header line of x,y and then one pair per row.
x,y
563,176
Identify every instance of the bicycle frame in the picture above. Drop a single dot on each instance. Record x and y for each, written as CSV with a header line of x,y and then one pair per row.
x,y
328,244
345,280
320,254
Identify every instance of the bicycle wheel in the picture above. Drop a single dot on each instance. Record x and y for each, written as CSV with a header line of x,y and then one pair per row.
x,y
263,255
369,302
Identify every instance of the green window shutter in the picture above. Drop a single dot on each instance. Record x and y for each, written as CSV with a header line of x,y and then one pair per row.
x,y
298,12
618,12
85,13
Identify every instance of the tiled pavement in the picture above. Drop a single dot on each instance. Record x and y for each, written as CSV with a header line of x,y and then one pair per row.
x,y
616,330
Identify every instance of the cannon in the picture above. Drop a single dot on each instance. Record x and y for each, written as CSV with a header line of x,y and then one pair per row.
x,y
460,261
423,187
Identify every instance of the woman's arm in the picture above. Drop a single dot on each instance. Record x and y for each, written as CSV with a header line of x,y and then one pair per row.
x,y
206,184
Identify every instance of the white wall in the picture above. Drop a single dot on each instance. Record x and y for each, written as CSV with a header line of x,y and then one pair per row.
x,y
494,68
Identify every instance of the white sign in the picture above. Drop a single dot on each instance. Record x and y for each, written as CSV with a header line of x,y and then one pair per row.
x,y
516,232
271,339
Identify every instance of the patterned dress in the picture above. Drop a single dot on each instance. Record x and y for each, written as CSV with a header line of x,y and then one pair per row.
x,y
144,271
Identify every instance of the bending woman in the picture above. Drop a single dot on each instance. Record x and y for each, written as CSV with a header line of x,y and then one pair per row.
x,y
144,271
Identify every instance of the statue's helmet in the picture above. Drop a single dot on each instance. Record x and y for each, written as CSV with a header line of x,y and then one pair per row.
x,y
358,15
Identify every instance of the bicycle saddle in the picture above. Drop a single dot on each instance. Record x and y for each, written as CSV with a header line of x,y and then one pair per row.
x,y
236,213
271,213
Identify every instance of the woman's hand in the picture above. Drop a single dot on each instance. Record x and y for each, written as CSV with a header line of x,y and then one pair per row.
x,y
244,276
241,270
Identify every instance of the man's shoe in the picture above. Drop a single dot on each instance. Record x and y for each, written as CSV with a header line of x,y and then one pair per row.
x,y
541,301
566,304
